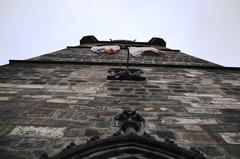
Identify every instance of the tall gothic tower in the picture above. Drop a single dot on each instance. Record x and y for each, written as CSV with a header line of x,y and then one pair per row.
x,y
119,99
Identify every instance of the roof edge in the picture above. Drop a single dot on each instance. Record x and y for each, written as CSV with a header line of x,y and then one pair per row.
x,y
122,64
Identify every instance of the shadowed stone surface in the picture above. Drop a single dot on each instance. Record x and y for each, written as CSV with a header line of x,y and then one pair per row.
x,y
44,107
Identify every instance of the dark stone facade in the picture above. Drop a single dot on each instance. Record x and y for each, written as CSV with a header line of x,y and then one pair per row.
x,y
45,107
84,54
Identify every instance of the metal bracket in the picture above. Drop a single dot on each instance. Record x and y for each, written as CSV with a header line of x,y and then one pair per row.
x,y
126,74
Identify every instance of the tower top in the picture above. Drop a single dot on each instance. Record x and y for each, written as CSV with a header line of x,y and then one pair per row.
x,y
90,39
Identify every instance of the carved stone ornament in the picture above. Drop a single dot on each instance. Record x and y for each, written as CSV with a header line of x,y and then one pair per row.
x,y
130,122
126,74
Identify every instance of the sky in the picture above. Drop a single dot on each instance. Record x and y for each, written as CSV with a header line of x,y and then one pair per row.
x,y
208,29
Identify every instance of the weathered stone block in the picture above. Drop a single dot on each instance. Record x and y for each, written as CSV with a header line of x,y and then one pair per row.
x,y
202,95
192,127
7,85
231,138
51,132
30,86
39,113
4,98
91,132
59,100
187,120
202,111
195,137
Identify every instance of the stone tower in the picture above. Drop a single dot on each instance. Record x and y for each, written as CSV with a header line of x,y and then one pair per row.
x,y
71,96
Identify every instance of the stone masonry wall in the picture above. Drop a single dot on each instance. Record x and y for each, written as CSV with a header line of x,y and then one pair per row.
x,y
86,55
44,107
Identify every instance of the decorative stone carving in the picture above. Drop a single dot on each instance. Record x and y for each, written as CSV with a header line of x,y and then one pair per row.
x,y
130,122
126,74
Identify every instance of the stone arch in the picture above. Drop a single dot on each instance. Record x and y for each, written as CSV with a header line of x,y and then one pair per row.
x,y
129,146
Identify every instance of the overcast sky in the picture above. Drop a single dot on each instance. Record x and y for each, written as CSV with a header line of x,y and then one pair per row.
x,y
209,29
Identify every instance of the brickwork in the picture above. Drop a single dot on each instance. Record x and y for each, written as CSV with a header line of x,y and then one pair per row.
x,y
86,55
44,107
